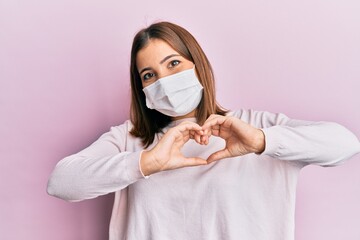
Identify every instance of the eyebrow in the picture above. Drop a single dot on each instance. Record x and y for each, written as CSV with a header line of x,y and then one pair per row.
x,y
166,58
161,62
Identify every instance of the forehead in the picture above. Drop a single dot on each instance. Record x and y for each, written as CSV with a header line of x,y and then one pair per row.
x,y
153,52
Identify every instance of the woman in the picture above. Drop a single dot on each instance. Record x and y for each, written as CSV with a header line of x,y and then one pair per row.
x,y
164,164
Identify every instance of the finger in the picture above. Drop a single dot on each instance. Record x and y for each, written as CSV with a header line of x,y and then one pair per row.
x,y
186,137
195,135
212,116
187,126
187,130
215,131
194,161
192,134
218,156
197,138
212,125
208,132
204,139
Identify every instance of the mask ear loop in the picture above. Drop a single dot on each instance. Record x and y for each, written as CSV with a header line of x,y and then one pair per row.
x,y
195,72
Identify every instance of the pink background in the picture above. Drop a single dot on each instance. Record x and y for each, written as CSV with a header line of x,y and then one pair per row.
x,y
64,81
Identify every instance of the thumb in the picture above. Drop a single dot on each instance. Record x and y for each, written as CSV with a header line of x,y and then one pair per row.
x,y
194,161
218,155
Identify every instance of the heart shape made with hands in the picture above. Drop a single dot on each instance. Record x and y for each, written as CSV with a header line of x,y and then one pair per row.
x,y
240,139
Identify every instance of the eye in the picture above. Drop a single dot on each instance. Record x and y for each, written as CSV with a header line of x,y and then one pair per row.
x,y
147,76
173,63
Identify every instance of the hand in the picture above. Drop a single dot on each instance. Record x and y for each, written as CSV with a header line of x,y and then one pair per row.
x,y
166,155
240,137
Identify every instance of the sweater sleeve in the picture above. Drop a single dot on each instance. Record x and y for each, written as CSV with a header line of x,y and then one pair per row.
x,y
97,170
319,143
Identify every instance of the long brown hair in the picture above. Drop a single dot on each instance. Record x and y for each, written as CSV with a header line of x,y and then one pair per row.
x,y
147,122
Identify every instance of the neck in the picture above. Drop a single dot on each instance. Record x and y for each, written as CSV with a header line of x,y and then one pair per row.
x,y
190,114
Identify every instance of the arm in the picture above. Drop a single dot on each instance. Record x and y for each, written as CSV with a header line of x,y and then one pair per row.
x,y
321,143
102,167
99,169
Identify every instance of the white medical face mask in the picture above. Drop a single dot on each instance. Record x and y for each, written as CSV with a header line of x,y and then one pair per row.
x,y
175,95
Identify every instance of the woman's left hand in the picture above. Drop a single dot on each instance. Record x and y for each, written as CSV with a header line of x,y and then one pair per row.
x,y
240,137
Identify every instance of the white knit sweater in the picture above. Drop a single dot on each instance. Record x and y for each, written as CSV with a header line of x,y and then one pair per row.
x,y
251,197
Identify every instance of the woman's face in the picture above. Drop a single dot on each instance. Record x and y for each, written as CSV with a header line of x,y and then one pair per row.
x,y
158,60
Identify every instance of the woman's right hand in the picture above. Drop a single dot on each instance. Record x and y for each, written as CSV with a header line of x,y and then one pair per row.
x,y
166,155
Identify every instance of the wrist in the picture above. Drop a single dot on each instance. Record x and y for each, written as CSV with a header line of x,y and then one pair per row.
x,y
260,142
146,163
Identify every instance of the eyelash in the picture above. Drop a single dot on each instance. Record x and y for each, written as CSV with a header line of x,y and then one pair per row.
x,y
145,78
172,64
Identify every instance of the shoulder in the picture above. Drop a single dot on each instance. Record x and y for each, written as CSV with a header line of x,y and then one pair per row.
x,y
119,135
122,129
260,119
